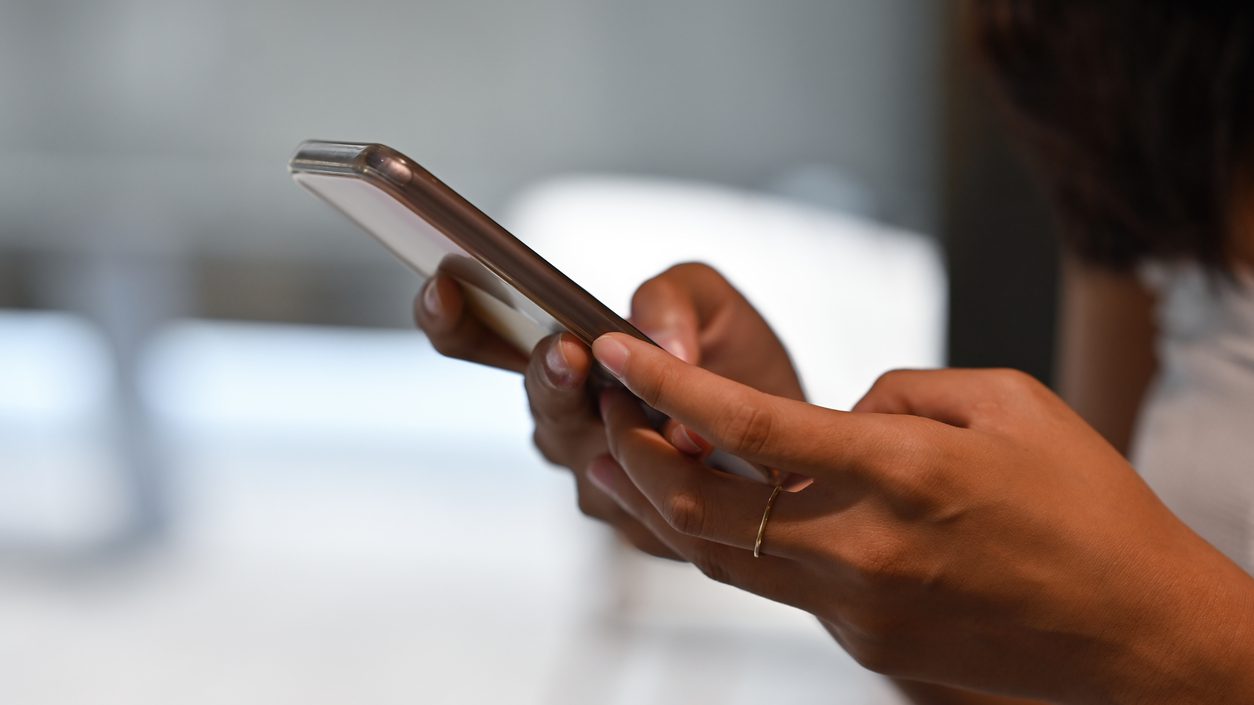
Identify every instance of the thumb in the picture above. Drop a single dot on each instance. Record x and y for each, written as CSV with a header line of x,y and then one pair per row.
x,y
957,397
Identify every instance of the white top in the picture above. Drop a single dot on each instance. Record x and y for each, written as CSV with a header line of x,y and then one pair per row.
x,y
1195,438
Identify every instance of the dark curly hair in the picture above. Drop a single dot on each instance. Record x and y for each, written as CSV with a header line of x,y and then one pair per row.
x,y
1140,113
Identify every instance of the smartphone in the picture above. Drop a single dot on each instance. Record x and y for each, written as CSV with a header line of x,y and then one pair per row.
x,y
431,228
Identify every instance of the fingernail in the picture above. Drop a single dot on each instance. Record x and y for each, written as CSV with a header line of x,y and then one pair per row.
x,y
687,442
673,345
558,366
431,298
611,354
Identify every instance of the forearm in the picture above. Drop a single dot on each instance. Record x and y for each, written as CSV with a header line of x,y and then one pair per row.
x,y
1195,647
1205,657
1106,354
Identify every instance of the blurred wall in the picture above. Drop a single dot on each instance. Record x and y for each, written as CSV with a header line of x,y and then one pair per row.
x,y
160,128
997,229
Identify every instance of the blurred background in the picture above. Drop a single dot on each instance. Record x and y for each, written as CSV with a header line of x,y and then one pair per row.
x,y
230,471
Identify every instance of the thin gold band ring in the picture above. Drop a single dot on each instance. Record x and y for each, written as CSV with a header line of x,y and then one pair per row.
x,y
766,516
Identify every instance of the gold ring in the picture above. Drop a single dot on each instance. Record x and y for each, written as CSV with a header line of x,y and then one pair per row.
x,y
766,516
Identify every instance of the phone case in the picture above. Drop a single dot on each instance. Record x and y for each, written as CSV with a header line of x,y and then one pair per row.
x,y
431,228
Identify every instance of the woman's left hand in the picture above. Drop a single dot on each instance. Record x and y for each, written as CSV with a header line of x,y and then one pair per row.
x,y
962,527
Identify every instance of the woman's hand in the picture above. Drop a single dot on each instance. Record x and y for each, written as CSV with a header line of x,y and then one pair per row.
x,y
690,309
963,527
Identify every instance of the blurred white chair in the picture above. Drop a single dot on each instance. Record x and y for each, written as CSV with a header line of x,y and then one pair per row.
x,y
58,491
54,370
358,386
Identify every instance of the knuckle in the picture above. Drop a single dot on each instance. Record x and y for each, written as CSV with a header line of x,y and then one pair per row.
x,y
917,474
872,399
685,513
695,269
890,378
881,561
1012,392
587,507
655,286
558,421
655,548
547,448
748,428
447,345
657,387
888,381
876,656
675,280
707,560
644,541
458,346
1015,380
875,638
563,414
537,409
928,489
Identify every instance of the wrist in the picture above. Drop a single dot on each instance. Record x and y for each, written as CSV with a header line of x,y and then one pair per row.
x,y
1231,667
1193,644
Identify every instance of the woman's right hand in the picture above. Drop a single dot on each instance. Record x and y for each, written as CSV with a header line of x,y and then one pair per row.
x,y
690,310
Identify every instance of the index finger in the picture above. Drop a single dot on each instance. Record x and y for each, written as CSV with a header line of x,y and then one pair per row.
x,y
754,425
691,498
